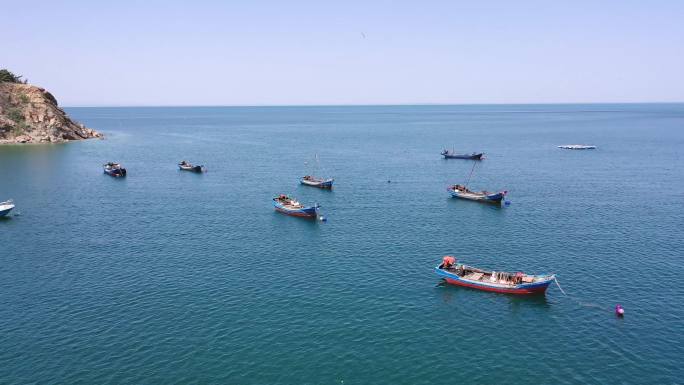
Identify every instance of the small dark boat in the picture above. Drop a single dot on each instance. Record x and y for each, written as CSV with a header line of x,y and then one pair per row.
x,y
290,206
458,191
496,281
317,182
187,166
6,207
452,155
114,169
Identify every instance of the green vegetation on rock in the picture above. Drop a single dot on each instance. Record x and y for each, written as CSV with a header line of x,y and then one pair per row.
x,y
15,114
7,76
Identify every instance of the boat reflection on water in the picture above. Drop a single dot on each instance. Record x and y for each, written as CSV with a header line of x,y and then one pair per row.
x,y
518,302
451,294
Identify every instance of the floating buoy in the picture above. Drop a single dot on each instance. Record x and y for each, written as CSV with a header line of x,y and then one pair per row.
x,y
323,219
507,203
619,310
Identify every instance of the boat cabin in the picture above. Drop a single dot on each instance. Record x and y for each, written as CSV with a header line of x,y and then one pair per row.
x,y
464,189
113,165
287,201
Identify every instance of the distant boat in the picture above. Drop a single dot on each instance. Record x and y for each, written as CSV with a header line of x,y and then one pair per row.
x,y
187,166
6,207
577,147
462,192
458,191
114,169
495,281
452,155
313,181
290,206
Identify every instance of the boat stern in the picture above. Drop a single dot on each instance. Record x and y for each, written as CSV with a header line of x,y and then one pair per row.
x,y
498,197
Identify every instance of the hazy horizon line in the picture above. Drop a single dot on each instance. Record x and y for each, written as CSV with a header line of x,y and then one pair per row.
x,y
353,105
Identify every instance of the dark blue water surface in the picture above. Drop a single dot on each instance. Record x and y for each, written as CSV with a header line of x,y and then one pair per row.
x,y
173,277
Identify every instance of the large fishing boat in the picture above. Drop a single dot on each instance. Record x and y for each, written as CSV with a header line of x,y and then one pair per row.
x,y
6,207
290,206
452,155
114,169
462,192
496,281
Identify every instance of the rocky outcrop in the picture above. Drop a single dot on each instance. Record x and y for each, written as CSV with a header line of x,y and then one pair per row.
x,y
29,114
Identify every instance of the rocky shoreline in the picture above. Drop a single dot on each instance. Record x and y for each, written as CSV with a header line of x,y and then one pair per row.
x,y
30,114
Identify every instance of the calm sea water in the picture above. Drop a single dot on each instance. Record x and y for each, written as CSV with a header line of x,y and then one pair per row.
x,y
171,277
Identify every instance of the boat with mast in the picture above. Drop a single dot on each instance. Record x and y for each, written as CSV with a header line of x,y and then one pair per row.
x,y
451,154
315,181
462,192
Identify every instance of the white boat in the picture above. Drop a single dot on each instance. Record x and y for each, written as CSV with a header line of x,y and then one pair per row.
x,y
310,180
6,207
577,147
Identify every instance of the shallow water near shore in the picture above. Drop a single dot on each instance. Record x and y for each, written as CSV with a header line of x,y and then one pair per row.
x,y
174,277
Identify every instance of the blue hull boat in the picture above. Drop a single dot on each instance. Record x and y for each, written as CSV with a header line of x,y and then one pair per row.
x,y
289,206
486,280
458,191
6,207
114,169
317,182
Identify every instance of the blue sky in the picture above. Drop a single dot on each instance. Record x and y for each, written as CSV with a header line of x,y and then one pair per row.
x,y
347,52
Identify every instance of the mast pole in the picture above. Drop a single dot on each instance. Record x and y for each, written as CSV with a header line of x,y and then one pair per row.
x,y
315,170
470,175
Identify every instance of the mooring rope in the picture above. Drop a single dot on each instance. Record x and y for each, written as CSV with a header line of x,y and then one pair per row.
x,y
559,287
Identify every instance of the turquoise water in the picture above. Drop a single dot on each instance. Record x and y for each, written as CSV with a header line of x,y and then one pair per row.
x,y
173,277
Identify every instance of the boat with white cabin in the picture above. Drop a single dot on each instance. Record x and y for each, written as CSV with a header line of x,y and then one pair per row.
x,y
114,169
